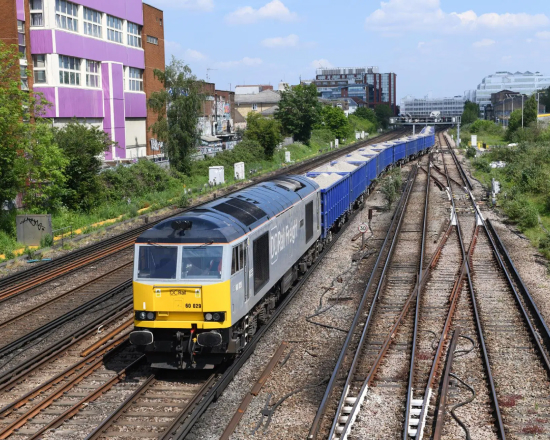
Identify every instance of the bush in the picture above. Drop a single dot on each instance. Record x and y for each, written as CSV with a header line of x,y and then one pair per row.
x,y
523,212
471,153
135,180
46,241
391,185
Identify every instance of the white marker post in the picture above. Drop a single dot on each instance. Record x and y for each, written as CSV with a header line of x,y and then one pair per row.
x,y
363,229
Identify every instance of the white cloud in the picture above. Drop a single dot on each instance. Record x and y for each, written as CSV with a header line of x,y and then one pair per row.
x,y
322,63
291,41
544,35
423,15
274,10
246,61
194,5
486,42
175,48
195,55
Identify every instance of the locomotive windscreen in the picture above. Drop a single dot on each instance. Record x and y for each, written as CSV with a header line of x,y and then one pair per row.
x,y
157,262
201,262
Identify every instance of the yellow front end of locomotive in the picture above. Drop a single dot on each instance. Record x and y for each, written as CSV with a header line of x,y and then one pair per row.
x,y
183,306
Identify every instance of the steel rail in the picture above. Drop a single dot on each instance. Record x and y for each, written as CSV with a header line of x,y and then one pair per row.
x,y
417,306
440,414
479,328
314,430
90,397
51,353
32,412
389,338
65,374
69,316
540,323
453,300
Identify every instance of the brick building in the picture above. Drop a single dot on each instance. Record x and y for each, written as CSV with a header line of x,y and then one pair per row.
x,y
364,83
93,60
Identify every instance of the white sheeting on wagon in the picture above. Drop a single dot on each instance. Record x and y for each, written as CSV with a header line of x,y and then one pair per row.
x,y
337,167
324,180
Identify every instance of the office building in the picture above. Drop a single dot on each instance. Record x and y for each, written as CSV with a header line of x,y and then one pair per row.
x,y
423,107
364,83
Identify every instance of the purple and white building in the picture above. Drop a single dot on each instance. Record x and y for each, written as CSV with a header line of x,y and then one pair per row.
x,y
88,59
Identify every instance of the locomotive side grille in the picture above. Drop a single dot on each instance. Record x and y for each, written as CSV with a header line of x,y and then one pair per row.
x,y
247,213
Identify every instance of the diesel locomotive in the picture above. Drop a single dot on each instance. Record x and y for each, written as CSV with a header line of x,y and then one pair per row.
x,y
206,280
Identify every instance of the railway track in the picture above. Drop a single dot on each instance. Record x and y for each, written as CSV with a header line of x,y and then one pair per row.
x,y
459,338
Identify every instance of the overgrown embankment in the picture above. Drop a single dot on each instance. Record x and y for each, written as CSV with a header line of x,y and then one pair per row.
x,y
525,187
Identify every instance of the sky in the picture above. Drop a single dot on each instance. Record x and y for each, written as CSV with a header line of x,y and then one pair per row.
x,y
440,46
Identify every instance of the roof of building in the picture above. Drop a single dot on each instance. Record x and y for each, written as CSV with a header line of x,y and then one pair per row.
x,y
265,97
270,111
210,138
239,118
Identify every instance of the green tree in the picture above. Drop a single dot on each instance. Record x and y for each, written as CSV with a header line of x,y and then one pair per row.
x,y
470,113
336,121
383,114
82,145
178,107
366,113
299,111
45,165
265,131
17,107
514,123
530,111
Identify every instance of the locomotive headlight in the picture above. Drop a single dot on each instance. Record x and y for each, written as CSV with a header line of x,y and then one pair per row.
x,y
146,316
214,316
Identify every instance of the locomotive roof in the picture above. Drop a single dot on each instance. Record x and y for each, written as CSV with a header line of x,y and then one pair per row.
x,y
228,218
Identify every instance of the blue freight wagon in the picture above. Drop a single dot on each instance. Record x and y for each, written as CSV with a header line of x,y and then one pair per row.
x,y
335,201
357,171
399,150
359,157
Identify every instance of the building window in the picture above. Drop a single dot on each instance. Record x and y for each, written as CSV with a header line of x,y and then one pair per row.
x,y
254,106
134,34
24,79
92,22
69,70
21,37
66,14
114,29
135,79
152,40
92,73
39,68
37,13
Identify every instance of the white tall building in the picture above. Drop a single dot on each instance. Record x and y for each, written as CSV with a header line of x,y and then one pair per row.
x,y
525,83
424,106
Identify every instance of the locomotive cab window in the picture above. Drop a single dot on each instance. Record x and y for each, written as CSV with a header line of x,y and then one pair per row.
x,y
157,262
201,262
238,258
261,262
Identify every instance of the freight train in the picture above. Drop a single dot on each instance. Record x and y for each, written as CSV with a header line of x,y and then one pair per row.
x,y
206,280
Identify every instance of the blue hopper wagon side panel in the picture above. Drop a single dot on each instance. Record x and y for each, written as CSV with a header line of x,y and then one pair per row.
x,y
335,201
399,151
